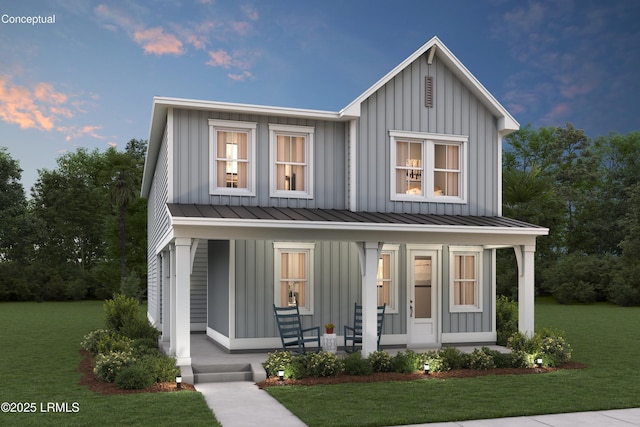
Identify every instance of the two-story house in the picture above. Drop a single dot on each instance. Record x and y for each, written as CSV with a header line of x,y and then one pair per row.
x,y
394,199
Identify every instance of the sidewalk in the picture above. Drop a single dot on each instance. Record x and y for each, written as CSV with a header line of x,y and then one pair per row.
x,y
244,404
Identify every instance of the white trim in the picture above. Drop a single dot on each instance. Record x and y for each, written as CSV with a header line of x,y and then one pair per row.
x,y
308,133
305,247
394,251
469,337
232,125
353,166
429,141
232,289
218,337
478,253
170,164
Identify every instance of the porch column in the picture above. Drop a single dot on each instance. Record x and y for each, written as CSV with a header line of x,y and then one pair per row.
x,y
526,288
172,300
369,255
183,303
165,296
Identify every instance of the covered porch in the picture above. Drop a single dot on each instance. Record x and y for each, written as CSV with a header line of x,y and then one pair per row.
x,y
368,231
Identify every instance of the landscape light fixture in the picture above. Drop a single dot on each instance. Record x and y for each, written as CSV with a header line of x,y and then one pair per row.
x,y
539,362
426,369
280,375
179,382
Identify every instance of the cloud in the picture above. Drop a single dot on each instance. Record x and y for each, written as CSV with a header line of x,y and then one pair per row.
x,y
74,132
156,41
219,58
245,75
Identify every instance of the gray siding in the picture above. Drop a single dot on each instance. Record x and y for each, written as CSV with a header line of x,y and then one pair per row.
x,y
192,161
199,287
158,224
399,105
218,276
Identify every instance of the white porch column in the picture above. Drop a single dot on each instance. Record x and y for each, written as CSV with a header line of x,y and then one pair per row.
x,y
526,288
182,301
369,255
172,300
165,294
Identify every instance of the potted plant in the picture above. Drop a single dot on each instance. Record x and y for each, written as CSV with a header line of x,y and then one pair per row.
x,y
329,327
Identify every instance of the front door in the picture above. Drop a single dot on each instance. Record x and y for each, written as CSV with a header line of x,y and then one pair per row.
x,y
423,297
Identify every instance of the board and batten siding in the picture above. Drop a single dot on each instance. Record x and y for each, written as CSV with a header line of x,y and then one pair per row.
x,y
158,225
198,289
192,161
218,288
400,105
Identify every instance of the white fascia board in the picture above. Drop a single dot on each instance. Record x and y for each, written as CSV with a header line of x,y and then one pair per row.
x,y
354,226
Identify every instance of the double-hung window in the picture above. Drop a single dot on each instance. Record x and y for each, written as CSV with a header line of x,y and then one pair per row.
x,y
232,148
388,278
293,275
465,278
428,167
291,161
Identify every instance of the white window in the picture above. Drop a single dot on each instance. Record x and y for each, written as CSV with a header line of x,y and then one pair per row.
x,y
232,147
388,278
291,161
465,278
428,167
293,275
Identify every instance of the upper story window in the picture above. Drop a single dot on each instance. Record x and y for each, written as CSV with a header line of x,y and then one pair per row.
x,y
232,147
291,161
428,167
465,279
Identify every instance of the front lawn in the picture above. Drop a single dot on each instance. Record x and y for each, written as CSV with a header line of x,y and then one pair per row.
x,y
39,359
604,337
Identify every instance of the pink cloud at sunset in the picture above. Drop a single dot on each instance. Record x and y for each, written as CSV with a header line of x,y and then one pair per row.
x,y
155,41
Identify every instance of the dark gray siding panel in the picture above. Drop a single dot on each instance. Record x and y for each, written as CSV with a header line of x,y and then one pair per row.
x,y
218,286
199,287
399,105
192,161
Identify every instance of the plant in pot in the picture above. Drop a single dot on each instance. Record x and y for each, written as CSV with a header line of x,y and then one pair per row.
x,y
329,328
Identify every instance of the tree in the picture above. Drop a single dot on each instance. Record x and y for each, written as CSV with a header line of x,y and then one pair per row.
x,y
13,209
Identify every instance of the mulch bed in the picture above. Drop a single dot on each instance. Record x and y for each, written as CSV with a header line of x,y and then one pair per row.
x,y
90,380
394,376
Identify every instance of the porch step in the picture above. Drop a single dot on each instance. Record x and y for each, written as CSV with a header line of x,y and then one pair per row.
x,y
222,373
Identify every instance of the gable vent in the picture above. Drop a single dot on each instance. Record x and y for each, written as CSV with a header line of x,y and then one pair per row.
x,y
428,92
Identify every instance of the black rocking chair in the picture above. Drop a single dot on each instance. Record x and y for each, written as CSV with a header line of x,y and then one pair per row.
x,y
354,334
291,332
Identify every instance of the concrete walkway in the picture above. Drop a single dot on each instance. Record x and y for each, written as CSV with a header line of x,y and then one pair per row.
x,y
243,404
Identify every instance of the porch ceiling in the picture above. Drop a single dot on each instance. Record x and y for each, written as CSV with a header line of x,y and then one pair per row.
x,y
254,222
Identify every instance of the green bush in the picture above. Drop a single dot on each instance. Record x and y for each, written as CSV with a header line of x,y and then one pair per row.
x,y
481,358
403,363
354,364
323,364
506,319
297,368
108,365
91,340
278,360
137,327
452,358
159,367
548,344
134,377
121,310
579,278
144,346
521,359
380,361
435,361
102,341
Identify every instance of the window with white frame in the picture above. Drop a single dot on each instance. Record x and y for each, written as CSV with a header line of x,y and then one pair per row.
x,y
428,167
293,275
291,161
388,278
465,278
232,148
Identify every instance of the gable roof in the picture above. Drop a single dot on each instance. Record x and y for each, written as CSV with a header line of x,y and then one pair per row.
x,y
506,122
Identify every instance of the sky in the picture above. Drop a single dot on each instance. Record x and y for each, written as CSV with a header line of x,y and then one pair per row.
x,y
89,78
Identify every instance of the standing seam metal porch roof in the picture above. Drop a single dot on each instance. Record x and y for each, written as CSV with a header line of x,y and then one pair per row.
x,y
341,216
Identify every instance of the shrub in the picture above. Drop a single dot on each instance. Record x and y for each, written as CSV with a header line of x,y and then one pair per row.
x,y
435,361
276,361
554,349
130,286
297,368
521,359
120,311
354,364
481,358
159,367
102,341
452,358
139,328
403,363
506,319
134,377
91,340
108,365
380,361
144,346
323,364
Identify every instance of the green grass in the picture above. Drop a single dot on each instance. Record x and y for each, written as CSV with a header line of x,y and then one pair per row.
x,y
39,358
604,337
